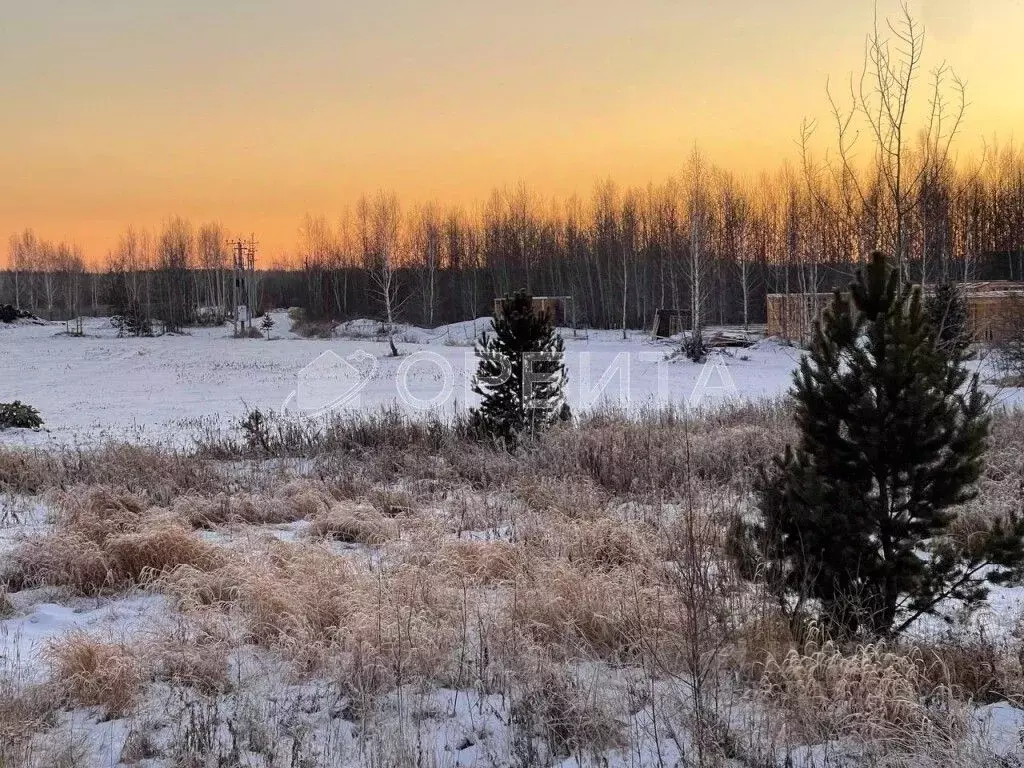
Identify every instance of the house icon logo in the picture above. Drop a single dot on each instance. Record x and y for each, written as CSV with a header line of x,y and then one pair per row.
x,y
330,382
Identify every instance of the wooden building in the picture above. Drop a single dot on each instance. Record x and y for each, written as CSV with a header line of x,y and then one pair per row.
x,y
669,322
790,315
995,310
558,308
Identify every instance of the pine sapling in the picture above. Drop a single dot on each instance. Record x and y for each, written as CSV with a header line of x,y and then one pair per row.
x,y
862,522
521,375
267,325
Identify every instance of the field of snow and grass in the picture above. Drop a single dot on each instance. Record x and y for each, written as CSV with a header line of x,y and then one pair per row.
x,y
154,389
387,593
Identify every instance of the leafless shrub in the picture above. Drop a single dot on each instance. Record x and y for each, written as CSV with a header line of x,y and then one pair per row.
x,y
553,716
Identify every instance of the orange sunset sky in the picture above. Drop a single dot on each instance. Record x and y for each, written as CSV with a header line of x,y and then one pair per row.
x,y
255,112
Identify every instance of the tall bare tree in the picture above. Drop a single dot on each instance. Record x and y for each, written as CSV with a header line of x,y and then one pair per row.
x,y
175,258
699,262
383,257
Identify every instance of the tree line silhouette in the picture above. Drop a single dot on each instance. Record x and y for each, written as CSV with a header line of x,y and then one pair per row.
x,y
703,240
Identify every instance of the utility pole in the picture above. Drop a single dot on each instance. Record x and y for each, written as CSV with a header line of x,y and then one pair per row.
x,y
243,283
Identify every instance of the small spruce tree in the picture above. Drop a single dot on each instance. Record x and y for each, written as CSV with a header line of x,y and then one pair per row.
x,y
521,374
860,520
947,316
694,348
267,325
133,321
18,415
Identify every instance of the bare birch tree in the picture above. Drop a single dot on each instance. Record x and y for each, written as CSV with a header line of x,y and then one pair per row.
x,y
698,263
385,242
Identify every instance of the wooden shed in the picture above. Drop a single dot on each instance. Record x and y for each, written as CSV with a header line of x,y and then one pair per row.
x,y
790,314
669,322
995,310
558,308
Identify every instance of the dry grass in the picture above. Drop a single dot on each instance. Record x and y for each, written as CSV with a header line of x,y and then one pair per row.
x,y
314,605
975,668
551,703
871,692
392,502
599,548
295,500
93,673
25,710
481,562
1001,489
573,496
103,540
655,452
64,749
354,524
193,657
608,544
584,612
138,746
26,472
159,474
600,543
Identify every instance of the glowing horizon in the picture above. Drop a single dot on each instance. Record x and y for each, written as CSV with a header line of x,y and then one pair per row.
x,y
254,114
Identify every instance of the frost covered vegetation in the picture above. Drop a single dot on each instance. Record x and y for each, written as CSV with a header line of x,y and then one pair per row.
x,y
386,591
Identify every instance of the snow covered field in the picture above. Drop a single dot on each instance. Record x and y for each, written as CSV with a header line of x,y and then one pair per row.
x,y
169,388
166,390
159,389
